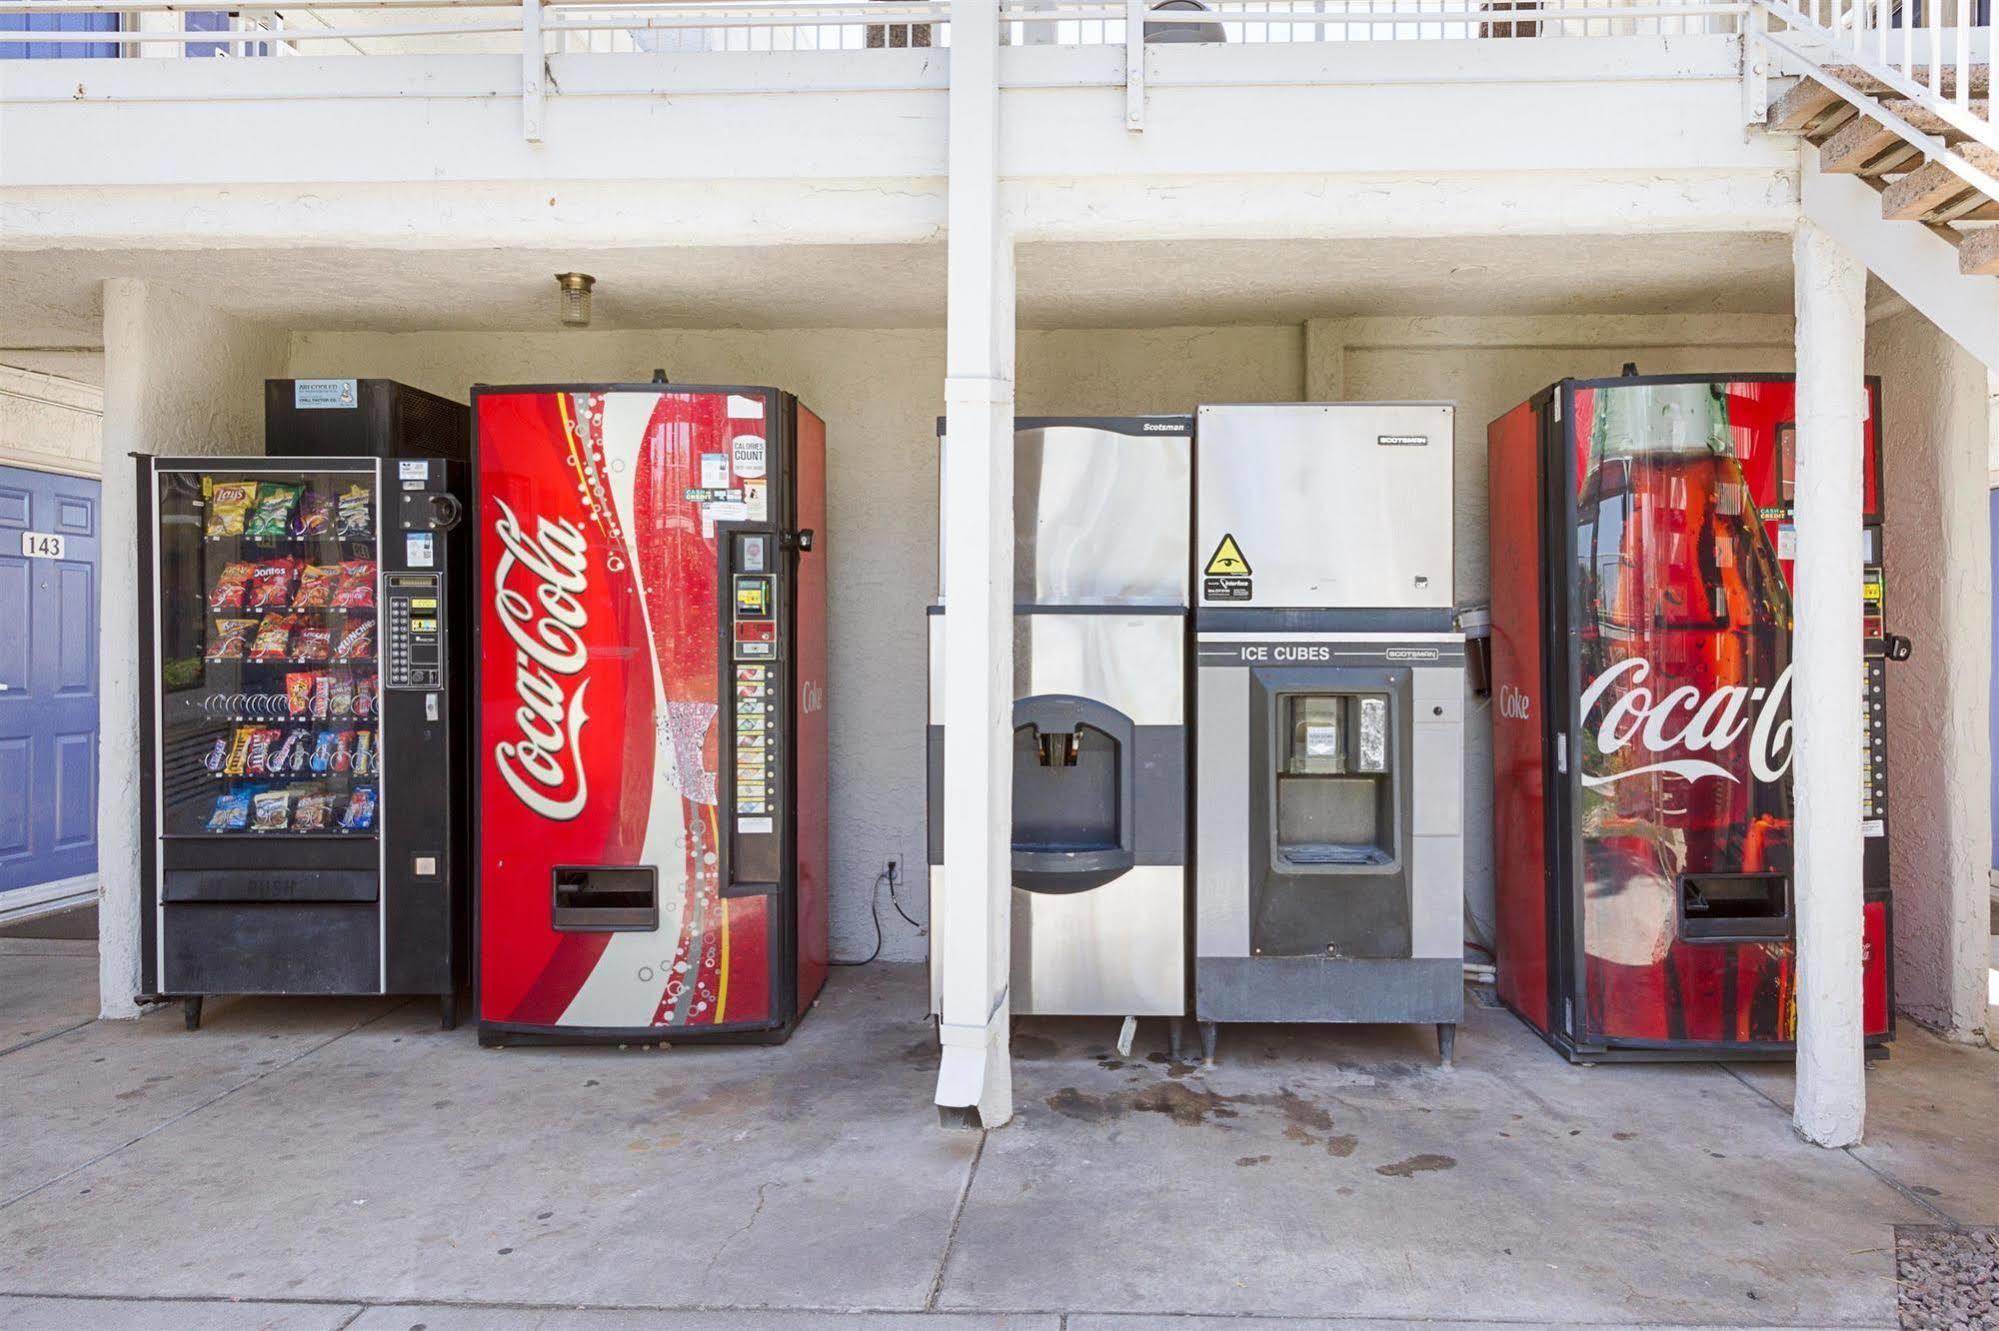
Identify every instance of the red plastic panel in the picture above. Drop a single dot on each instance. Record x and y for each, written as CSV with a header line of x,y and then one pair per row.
x,y
1519,777
810,817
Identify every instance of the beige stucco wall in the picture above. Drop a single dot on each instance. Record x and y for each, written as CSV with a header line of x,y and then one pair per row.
x,y
1939,568
50,423
180,379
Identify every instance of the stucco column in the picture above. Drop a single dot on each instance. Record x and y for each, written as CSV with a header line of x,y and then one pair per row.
x,y
974,1080
1326,359
1831,1104
179,378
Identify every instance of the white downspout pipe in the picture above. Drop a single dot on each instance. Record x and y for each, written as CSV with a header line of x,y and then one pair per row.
x,y
974,1081
1831,1103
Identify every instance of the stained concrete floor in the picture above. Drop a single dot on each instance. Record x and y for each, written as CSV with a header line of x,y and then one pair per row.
x,y
346,1166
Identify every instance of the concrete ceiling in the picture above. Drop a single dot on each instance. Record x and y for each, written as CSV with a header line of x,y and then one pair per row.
x,y
51,298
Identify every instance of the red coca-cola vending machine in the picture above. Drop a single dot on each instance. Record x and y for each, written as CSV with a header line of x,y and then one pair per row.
x,y
651,685
1641,549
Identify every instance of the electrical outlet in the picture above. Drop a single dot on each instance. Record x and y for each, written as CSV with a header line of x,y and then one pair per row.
x,y
895,869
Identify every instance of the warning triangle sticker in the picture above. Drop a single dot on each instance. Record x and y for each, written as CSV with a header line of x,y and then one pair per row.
x,y
1227,560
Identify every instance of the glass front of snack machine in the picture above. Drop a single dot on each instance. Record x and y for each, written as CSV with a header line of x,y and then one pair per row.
x,y
268,686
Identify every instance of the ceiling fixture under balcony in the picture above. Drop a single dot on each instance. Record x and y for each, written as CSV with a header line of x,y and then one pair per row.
x,y
573,298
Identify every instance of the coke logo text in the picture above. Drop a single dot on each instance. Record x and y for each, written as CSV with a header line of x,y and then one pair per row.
x,y
543,766
1684,720
1514,705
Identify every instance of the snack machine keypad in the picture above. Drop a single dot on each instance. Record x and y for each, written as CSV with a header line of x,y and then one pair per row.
x,y
414,651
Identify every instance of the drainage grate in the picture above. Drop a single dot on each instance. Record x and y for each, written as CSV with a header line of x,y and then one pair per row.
x,y
1947,1278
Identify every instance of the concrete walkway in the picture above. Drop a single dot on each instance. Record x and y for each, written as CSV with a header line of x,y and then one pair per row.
x,y
344,1164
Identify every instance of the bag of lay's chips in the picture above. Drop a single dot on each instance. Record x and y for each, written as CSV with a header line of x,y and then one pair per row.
x,y
229,506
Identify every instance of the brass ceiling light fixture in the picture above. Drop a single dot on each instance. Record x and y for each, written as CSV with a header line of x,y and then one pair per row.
x,y
573,298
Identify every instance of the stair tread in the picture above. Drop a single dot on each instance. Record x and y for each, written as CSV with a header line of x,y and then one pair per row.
x,y
1861,81
1929,122
1802,103
1858,144
1932,186
1978,252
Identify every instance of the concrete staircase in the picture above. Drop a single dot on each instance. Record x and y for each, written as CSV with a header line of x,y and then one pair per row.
x,y
1914,187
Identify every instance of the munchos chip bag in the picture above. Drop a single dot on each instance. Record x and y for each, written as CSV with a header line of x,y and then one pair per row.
x,y
357,641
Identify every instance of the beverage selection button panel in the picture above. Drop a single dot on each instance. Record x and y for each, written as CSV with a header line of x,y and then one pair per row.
x,y
755,747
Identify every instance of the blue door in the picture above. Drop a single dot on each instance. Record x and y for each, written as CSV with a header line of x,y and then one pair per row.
x,y
57,23
48,686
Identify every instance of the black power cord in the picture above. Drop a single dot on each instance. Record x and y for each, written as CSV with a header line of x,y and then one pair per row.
x,y
914,924
875,913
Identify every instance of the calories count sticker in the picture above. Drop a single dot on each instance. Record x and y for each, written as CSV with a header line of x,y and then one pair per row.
x,y
748,455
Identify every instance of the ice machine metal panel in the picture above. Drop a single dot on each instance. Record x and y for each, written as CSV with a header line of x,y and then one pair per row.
x,y
1281,524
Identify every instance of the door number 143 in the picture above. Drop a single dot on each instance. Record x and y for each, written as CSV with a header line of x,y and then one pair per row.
x,y
41,545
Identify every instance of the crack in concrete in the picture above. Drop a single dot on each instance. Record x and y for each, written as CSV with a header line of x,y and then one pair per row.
x,y
32,1041
196,1109
957,1217
741,1230
1907,1192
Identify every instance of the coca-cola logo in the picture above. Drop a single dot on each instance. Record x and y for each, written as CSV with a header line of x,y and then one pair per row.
x,y
1682,719
543,766
1514,704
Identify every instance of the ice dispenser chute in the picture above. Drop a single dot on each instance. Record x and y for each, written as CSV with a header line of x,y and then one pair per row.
x,y
1335,784
1072,793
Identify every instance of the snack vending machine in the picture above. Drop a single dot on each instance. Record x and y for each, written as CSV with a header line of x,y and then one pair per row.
x,y
1329,786
302,782
1642,550
652,712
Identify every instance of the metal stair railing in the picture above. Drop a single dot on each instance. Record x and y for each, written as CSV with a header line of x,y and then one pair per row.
x,y
1865,50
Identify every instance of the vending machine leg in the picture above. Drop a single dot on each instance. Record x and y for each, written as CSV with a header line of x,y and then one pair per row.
x,y
1447,1043
1208,1043
190,1013
1176,1037
447,1011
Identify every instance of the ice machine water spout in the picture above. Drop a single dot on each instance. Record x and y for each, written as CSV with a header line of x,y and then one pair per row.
x,y
1072,823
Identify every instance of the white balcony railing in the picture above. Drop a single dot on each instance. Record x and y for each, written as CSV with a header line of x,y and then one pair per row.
x,y
324,27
